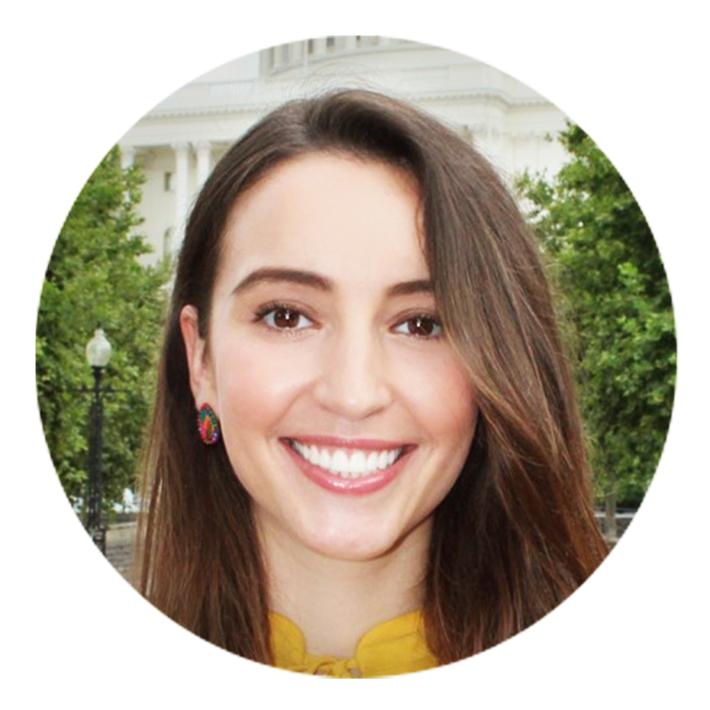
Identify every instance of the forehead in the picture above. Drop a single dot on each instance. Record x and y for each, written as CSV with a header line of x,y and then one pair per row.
x,y
334,214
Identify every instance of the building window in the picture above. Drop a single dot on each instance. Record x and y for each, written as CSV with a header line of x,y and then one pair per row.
x,y
167,181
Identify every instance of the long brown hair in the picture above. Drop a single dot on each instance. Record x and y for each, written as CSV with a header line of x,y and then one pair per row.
x,y
517,533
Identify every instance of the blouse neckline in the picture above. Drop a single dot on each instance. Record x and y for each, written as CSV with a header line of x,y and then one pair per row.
x,y
390,648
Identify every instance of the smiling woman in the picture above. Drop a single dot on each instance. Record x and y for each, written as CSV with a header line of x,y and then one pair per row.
x,y
400,479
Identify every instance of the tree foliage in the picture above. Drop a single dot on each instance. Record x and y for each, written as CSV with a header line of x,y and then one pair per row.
x,y
95,277
617,307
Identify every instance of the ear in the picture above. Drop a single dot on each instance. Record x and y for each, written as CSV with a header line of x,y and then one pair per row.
x,y
201,379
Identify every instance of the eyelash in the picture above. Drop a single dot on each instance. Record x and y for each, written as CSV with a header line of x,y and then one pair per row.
x,y
270,308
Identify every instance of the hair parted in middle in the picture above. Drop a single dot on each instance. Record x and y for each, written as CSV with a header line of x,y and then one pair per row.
x,y
516,534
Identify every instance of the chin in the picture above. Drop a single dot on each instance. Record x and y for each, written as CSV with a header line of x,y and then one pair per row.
x,y
353,548
342,546
364,553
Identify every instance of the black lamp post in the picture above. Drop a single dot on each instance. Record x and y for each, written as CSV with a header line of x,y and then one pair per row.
x,y
98,353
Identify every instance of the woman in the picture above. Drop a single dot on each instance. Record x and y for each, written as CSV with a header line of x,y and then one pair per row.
x,y
390,471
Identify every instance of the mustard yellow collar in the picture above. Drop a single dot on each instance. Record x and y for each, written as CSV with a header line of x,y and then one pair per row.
x,y
393,647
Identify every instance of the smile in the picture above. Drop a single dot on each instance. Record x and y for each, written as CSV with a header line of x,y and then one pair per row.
x,y
348,466
353,464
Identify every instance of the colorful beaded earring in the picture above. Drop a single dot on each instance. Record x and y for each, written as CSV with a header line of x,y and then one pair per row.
x,y
208,425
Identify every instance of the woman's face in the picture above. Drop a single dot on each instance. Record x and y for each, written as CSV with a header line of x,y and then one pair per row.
x,y
344,411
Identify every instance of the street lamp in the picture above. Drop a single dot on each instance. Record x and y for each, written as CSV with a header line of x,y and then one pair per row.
x,y
98,353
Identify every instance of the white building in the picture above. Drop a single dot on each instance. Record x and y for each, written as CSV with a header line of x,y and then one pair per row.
x,y
179,141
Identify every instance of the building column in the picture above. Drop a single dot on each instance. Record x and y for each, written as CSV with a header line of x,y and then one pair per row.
x,y
351,42
128,156
281,55
204,161
496,152
298,52
181,189
467,134
320,46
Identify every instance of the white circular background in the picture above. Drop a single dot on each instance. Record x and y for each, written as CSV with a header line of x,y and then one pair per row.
x,y
77,75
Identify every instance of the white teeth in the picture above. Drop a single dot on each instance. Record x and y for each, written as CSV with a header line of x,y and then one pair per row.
x,y
358,463
339,462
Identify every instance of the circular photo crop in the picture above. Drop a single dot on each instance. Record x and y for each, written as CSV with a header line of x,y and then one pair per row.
x,y
355,356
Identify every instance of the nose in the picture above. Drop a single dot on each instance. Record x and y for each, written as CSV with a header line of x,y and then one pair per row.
x,y
354,382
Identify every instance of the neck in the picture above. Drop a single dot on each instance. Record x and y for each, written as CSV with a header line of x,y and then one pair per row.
x,y
333,601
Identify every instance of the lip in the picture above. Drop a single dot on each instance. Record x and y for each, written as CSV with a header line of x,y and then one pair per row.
x,y
349,486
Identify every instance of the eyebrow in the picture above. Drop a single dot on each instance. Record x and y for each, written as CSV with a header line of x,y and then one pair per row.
x,y
320,283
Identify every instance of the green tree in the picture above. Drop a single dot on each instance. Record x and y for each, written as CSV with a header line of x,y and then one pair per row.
x,y
95,277
617,309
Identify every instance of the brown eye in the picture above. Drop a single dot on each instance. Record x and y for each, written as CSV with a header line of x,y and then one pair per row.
x,y
420,326
283,318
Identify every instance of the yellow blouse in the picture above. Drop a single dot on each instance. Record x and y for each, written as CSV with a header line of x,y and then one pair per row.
x,y
393,647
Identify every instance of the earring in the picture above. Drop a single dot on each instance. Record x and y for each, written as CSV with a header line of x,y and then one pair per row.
x,y
208,425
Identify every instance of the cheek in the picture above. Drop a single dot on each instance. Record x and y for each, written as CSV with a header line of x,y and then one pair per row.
x,y
255,383
439,394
